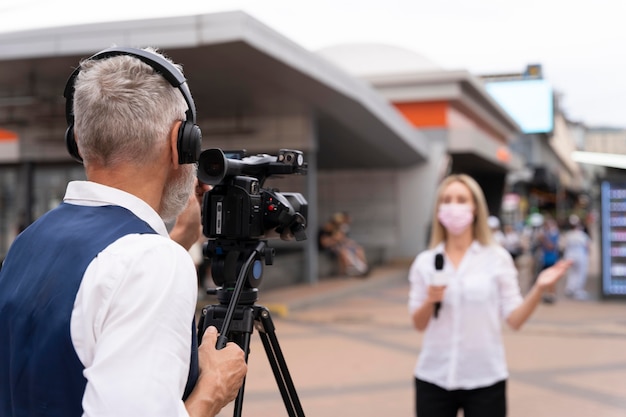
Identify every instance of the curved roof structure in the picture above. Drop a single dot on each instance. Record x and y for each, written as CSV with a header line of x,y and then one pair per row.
x,y
237,69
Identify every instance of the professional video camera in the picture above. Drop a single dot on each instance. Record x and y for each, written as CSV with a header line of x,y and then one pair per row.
x,y
238,215
238,207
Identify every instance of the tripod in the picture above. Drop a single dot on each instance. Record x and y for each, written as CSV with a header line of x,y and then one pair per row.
x,y
237,315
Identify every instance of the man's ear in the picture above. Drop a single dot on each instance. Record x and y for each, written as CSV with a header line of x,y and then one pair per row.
x,y
174,143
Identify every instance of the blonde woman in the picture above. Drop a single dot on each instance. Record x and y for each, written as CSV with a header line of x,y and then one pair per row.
x,y
462,363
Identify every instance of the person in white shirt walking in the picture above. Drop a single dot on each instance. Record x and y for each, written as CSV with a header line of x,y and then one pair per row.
x,y
462,362
494,225
577,248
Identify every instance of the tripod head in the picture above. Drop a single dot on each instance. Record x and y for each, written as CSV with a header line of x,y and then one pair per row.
x,y
229,257
238,270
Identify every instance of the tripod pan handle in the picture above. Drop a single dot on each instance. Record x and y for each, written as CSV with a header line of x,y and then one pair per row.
x,y
221,342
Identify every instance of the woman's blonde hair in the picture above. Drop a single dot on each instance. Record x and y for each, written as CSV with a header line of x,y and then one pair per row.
x,y
480,228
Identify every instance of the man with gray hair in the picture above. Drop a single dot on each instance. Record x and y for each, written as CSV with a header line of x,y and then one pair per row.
x,y
97,302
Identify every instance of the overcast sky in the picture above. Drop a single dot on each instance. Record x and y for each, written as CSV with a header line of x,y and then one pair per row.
x,y
580,43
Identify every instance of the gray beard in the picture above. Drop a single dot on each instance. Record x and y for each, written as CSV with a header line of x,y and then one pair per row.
x,y
177,192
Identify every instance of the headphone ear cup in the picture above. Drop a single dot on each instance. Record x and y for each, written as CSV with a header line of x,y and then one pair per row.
x,y
189,143
70,142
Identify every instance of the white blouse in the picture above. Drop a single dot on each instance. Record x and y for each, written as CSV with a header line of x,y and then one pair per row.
x,y
462,348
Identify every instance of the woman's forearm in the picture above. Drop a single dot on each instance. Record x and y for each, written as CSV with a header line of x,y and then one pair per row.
x,y
546,279
422,315
518,317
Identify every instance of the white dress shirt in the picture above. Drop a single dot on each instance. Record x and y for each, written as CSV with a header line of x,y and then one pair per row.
x,y
132,317
462,348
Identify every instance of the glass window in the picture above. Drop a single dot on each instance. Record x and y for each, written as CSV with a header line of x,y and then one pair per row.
x,y
9,220
48,188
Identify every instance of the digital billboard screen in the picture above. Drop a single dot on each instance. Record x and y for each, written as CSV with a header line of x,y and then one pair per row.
x,y
530,102
613,222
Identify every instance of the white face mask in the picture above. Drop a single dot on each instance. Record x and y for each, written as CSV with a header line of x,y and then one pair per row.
x,y
455,217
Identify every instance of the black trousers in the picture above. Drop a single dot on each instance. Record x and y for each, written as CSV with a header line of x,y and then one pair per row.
x,y
434,401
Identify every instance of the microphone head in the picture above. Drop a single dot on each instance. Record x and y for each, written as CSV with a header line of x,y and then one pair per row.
x,y
439,261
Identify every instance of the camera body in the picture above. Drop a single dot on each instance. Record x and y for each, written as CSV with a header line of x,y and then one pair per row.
x,y
239,208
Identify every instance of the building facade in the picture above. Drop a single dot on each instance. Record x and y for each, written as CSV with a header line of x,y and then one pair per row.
x,y
376,145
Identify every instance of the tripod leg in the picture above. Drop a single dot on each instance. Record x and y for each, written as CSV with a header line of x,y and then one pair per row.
x,y
277,362
245,345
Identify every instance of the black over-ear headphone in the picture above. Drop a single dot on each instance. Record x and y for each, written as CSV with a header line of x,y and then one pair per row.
x,y
189,134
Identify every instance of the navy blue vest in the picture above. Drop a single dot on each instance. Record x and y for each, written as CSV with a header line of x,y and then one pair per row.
x,y
40,373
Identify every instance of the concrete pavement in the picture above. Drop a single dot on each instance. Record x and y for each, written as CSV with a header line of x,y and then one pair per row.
x,y
350,349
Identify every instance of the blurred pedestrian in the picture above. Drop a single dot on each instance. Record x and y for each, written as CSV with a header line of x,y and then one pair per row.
x,y
512,241
496,230
549,242
335,240
577,246
462,365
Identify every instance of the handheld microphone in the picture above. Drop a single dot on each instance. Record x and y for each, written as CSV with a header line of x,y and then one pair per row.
x,y
439,279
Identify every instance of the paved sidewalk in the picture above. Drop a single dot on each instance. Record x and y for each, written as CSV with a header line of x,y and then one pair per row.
x,y
350,350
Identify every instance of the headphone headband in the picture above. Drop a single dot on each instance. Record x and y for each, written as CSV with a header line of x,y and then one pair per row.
x,y
160,65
